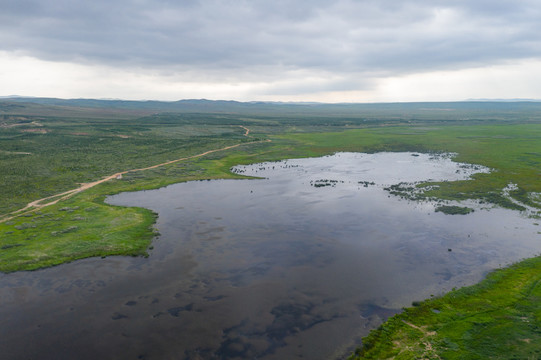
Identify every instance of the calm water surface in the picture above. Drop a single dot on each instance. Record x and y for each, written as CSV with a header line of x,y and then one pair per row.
x,y
281,268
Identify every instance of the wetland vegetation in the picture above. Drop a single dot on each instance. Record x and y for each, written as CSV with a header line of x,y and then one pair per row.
x,y
50,146
496,319
454,210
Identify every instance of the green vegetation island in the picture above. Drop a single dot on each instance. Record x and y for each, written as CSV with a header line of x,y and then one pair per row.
x,y
61,158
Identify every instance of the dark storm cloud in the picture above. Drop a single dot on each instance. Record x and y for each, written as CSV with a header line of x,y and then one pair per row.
x,y
386,37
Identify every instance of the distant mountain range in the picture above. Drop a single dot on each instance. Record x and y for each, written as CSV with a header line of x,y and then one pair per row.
x,y
459,109
507,100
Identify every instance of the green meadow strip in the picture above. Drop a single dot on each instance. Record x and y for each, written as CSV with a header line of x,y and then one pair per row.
x,y
499,318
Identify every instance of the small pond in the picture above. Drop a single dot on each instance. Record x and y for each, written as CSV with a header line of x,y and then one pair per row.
x,y
299,265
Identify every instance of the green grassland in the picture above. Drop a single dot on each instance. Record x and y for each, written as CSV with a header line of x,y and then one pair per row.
x,y
58,153
500,318
45,155
512,151
50,147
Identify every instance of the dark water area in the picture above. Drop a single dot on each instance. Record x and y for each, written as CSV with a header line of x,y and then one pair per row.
x,y
300,265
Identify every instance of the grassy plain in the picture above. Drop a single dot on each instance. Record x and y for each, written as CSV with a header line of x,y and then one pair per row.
x,y
49,148
43,155
513,151
499,318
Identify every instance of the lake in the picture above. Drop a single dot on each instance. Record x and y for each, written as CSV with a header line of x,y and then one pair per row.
x,y
298,265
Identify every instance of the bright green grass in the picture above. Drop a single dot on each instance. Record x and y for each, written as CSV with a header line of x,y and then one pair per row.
x,y
500,318
512,151
78,228
84,226
72,151
55,236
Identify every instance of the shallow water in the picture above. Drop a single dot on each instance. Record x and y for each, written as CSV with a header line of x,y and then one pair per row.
x,y
268,269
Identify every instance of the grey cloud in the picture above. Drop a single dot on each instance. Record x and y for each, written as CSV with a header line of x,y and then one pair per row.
x,y
222,36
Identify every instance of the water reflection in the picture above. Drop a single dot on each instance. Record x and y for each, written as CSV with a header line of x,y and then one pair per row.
x,y
267,269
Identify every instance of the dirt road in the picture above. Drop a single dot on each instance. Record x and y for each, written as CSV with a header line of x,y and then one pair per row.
x,y
41,203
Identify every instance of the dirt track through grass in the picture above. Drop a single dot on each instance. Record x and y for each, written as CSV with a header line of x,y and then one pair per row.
x,y
38,204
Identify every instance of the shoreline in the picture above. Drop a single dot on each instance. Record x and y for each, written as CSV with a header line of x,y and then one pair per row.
x,y
495,318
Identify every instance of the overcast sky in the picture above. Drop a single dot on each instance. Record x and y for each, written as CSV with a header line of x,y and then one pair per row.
x,y
280,50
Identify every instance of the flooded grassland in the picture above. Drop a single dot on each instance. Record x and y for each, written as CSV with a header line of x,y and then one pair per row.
x,y
300,264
